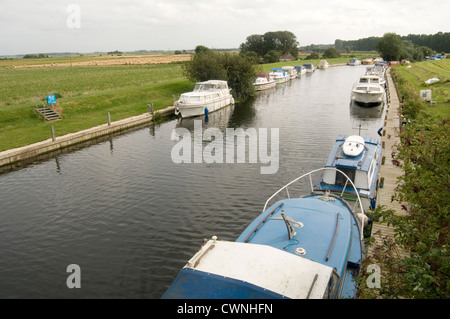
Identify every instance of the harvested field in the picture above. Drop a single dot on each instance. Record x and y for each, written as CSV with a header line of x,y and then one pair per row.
x,y
97,60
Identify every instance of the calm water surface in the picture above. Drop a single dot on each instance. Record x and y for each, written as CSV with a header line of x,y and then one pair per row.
x,y
131,218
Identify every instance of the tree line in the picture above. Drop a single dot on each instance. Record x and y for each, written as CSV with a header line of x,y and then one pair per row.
x,y
439,42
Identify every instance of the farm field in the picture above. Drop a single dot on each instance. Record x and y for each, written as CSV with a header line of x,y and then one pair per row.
x,y
85,94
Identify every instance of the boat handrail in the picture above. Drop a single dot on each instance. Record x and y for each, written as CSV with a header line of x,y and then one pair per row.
x,y
285,187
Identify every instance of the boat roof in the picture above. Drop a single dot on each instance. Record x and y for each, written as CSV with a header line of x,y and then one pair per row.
x,y
235,270
338,158
213,82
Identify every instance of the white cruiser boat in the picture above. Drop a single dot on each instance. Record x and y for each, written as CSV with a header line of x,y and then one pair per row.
x,y
291,71
354,62
323,64
300,70
309,67
368,94
372,79
279,75
207,97
376,70
263,82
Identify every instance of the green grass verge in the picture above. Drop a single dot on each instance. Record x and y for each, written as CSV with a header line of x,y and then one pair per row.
x,y
416,74
85,94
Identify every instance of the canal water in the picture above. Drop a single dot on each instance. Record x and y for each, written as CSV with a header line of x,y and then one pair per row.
x,y
130,217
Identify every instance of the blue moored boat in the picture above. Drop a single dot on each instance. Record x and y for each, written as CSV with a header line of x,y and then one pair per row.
x,y
298,247
360,158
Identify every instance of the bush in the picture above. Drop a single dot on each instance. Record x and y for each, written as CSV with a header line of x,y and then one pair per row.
x,y
313,56
331,53
272,57
238,70
424,231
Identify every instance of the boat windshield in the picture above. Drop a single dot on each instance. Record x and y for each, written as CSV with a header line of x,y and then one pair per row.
x,y
208,87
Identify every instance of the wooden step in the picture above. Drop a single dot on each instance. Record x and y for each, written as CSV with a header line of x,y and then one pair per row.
x,y
49,114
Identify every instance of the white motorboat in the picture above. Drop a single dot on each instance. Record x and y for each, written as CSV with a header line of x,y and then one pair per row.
x,y
279,75
323,64
377,70
373,79
263,82
207,97
368,94
300,70
291,71
309,67
354,62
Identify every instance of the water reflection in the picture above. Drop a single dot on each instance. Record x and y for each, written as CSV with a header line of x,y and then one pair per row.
x,y
121,209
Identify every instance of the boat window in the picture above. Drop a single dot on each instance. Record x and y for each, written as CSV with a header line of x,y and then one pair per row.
x,y
340,179
363,81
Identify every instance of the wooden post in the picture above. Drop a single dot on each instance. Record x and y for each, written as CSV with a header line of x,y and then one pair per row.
x,y
109,118
53,133
150,108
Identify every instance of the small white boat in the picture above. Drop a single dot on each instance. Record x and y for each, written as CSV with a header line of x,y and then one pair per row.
x,y
291,71
263,82
367,61
309,67
354,62
323,64
377,70
279,75
368,94
300,70
207,97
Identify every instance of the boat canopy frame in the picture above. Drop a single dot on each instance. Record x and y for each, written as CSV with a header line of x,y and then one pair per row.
x,y
327,193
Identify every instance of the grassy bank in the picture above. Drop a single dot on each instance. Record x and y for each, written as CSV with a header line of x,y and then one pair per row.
x,y
85,94
411,79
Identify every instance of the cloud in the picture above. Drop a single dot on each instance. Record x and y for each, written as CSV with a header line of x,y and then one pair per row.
x,y
41,26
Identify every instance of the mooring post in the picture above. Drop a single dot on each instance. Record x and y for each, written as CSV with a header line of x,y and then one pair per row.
x,y
109,118
150,108
53,133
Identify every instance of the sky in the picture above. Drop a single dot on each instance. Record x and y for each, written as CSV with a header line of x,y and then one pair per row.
x,y
44,26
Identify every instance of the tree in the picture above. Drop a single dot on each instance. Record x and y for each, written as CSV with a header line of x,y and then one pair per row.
x,y
331,53
279,41
390,47
236,69
271,57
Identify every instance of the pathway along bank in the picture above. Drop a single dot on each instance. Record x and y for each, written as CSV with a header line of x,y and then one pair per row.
x,y
389,170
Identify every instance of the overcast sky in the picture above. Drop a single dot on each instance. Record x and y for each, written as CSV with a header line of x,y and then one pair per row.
x,y
42,26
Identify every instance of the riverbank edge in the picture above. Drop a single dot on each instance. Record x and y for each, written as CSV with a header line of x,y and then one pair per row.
x,y
19,154
15,155
389,172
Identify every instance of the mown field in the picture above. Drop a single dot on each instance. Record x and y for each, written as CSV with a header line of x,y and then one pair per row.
x,y
417,73
86,94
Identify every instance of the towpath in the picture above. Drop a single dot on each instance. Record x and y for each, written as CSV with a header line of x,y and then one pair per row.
x,y
389,171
